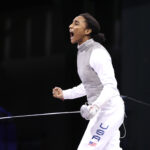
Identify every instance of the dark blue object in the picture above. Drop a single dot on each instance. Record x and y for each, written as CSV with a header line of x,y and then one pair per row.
x,y
7,132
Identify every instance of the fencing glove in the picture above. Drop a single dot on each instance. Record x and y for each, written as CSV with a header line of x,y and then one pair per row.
x,y
88,111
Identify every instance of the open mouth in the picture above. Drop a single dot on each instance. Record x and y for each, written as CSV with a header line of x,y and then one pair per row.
x,y
71,34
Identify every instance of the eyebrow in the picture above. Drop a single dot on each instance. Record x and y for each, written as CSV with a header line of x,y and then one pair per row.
x,y
76,21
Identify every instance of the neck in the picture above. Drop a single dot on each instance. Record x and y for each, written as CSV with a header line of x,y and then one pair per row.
x,y
84,40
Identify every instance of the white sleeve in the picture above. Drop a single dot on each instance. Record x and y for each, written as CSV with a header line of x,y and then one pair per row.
x,y
74,92
100,61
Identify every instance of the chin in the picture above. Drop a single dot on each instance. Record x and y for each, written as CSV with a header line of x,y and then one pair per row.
x,y
73,42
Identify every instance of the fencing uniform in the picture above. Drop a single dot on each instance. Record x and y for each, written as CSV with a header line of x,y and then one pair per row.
x,y
100,86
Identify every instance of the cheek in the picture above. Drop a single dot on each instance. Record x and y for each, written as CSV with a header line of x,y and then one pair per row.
x,y
79,33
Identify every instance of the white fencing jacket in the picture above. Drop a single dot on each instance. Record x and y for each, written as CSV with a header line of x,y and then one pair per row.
x,y
97,76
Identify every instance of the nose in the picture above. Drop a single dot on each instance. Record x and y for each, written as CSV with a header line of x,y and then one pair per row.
x,y
70,26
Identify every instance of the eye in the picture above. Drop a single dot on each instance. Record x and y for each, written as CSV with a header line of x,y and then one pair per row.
x,y
76,23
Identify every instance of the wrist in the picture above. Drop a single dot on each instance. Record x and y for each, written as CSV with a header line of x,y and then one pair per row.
x,y
61,98
96,106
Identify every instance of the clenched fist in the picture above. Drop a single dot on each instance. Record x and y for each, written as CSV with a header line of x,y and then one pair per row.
x,y
58,93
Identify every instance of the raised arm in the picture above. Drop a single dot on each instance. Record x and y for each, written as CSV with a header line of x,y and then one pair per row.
x,y
75,92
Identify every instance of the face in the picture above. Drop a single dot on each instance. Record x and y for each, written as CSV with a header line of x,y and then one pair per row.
x,y
78,31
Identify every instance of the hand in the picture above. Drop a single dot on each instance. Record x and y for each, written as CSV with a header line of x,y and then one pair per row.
x,y
89,111
58,93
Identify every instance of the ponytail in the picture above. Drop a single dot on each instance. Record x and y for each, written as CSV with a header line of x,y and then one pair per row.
x,y
100,37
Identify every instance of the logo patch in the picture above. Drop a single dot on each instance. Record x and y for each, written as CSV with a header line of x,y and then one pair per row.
x,y
92,143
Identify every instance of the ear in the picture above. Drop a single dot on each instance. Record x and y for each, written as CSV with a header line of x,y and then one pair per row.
x,y
88,31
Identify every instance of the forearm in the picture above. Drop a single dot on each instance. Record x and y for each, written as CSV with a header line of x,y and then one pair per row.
x,y
74,92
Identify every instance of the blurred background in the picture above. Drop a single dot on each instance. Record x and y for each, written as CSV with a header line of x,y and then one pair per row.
x,y
36,55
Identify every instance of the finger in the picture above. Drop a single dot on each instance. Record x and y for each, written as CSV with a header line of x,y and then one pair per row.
x,y
57,88
56,96
54,92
